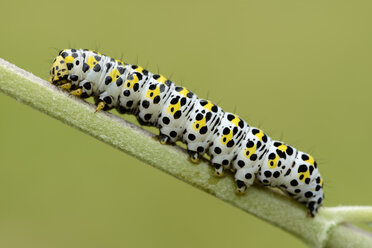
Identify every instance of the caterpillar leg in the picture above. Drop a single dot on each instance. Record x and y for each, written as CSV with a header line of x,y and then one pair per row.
x,y
100,106
77,92
241,186
164,139
105,102
142,122
312,208
87,88
244,178
194,156
66,86
218,170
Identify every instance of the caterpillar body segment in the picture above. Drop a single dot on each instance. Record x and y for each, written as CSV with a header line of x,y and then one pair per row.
x,y
249,158
226,139
175,112
200,126
203,126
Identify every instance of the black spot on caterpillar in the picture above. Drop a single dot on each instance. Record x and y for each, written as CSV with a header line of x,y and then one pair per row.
x,y
202,125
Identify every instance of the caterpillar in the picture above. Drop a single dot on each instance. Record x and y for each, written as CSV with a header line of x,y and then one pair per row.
x,y
202,125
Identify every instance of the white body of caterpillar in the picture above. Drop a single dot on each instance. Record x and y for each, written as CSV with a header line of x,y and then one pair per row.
x,y
180,115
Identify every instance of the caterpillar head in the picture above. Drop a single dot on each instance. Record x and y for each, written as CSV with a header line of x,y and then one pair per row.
x,y
59,71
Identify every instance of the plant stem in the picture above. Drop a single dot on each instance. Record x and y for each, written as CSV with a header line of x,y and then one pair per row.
x,y
266,204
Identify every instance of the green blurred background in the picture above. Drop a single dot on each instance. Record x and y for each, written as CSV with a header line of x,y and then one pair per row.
x,y
300,70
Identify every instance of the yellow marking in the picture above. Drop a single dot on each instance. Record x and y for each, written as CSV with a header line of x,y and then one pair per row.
x,y
161,79
100,106
283,147
226,138
92,61
77,92
259,135
199,124
130,83
173,108
321,182
184,92
209,106
251,150
274,162
306,175
153,93
69,59
310,160
139,69
236,120
119,61
114,74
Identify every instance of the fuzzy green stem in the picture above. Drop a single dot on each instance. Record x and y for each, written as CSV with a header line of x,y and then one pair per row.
x,y
349,214
268,205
